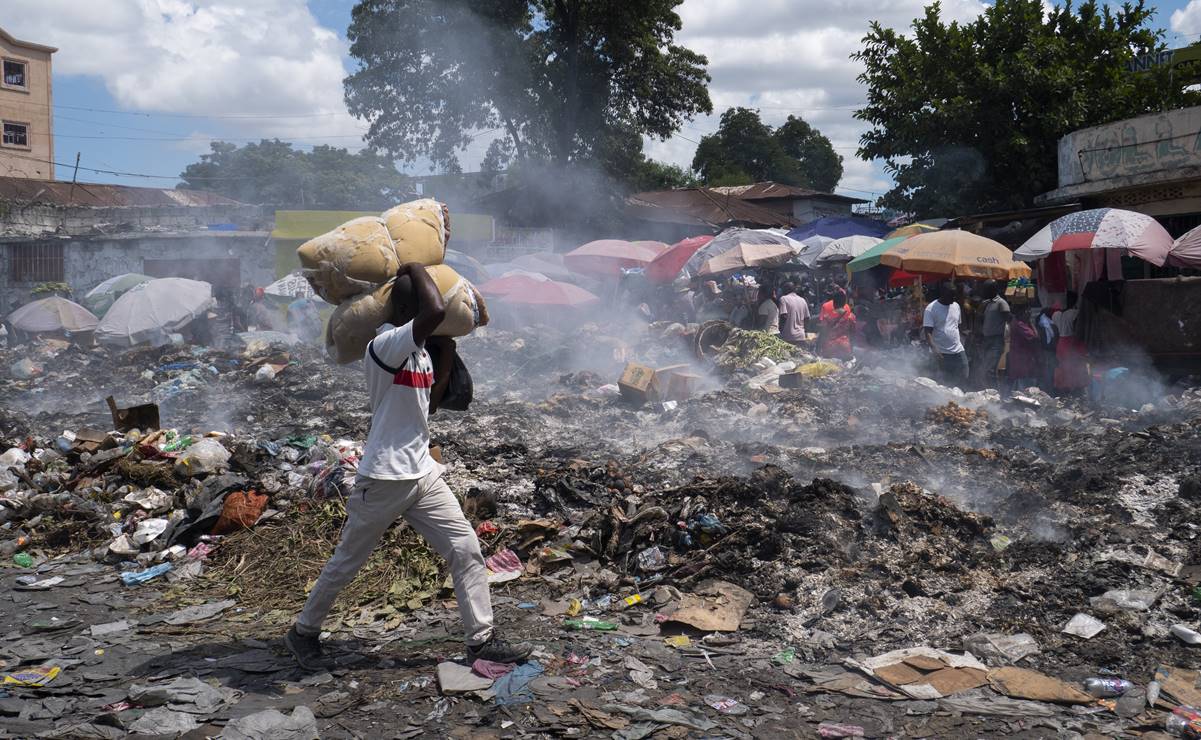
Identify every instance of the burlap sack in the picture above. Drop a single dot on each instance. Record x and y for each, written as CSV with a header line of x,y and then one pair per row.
x,y
420,230
354,323
351,259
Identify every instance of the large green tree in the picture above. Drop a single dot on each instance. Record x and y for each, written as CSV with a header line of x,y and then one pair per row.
x,y
967,116
272,172
744,150
560,80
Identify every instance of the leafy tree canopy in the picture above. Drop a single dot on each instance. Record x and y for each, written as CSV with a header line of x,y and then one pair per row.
x,y
561,80
271,172
967,116
745,150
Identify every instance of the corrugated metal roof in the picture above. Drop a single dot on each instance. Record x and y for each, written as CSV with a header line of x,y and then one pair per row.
x,y
61,193
704,205
770,190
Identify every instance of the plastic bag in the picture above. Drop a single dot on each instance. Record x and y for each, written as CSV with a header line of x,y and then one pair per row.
x,y
206,456
240,511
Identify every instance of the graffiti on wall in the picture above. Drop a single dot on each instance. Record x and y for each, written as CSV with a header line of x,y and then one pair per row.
x,y
1143,145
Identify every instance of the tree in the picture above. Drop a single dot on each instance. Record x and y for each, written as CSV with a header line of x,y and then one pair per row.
x,y
558,78
745,150
271,172
967,117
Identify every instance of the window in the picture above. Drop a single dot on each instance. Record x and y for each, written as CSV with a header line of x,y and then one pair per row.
x,y
40,262
16,134
14,73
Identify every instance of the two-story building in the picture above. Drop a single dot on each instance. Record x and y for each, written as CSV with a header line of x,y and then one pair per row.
x,y
26,109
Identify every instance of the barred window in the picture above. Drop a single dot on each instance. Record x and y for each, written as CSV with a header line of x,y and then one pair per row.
x,y
16,134
40,262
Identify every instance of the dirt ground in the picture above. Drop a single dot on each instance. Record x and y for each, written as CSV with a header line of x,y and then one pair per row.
x,y
863,512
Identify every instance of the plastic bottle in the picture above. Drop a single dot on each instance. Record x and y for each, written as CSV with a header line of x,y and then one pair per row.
x,y
1107,688
23,559
1180,727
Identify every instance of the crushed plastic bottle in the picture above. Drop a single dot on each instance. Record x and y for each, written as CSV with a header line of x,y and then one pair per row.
x,y
23,559
1107,688
1184,721
835,729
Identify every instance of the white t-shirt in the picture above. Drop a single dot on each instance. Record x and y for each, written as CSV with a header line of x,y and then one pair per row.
x,y
769,316
1065,322
944,321
399,377
795,311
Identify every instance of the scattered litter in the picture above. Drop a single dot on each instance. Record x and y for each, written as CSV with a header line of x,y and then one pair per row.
x,y
1082,625
271,724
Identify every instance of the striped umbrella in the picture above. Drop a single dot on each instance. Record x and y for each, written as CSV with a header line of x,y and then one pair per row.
x,y
1133,233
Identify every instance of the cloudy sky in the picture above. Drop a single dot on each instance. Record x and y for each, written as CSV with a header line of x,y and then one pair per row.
x,y
142,86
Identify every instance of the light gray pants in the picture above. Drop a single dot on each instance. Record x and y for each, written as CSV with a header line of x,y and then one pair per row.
x,y
433,511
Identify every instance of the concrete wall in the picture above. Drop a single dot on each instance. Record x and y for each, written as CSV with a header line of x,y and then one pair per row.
x,y
810,209
37,219
1154,146
205,256
31,105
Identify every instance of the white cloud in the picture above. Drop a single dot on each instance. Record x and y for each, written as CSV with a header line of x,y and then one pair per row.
x,y
1187,20
202,57
793,56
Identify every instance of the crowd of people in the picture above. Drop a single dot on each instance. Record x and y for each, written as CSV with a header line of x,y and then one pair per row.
x,y
974,337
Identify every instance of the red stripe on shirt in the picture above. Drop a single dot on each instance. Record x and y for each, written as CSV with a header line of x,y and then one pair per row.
x,y
414,379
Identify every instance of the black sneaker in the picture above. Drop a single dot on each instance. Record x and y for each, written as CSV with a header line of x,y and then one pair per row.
x,y
499,651
307,650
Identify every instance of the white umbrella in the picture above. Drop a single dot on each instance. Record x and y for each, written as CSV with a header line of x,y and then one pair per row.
x,y
151,311
845,249
53,314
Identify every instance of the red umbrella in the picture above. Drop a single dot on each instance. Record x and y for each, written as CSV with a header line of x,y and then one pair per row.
x,y
665,267
529,290
608,257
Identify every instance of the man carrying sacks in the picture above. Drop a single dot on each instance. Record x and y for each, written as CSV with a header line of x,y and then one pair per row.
x,y
398,478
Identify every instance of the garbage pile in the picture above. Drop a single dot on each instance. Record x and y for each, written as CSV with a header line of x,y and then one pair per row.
x,y
797,547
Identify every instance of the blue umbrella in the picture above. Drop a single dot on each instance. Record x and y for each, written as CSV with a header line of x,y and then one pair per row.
x,y
836,227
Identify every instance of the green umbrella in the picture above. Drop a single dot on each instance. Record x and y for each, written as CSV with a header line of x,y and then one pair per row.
x,y
871,257
100,298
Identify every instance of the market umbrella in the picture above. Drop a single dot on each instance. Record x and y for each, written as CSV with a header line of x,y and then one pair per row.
x,y
466,265
293,285
536,290
53,314
911,230
812,249
151,311
99,299
1132,233
954,253
1186,251
846,249
669,264
745,256
732,237
608,257
871,258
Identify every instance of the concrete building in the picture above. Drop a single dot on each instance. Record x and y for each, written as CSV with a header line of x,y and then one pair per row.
x,y
1150,164
84,233
26,109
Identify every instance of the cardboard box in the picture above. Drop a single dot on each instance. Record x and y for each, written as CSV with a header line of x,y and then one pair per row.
x,y
638,384
677,382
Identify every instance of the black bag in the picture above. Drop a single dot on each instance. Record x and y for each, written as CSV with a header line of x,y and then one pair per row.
x,y
459,388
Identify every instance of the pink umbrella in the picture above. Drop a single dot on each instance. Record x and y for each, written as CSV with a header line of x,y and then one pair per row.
x,y
608,257
665,267
529,290
1186,251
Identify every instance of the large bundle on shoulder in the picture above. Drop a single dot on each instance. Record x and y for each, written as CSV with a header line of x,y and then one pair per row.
x,y
353,267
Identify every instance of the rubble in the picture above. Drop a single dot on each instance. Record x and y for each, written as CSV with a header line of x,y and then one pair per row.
x,y
745,568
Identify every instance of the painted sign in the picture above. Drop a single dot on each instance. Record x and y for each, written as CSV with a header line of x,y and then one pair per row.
x,y
1159,142
1185,63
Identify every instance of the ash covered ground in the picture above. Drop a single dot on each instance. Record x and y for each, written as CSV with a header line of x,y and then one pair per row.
x,y
864,512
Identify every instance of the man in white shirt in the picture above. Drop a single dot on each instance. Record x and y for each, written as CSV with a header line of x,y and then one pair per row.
x,y
398,477
940,326
1065,320
769,312
794,311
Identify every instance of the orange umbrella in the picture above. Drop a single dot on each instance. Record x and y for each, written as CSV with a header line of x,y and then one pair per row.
x,y
957,254
608,257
